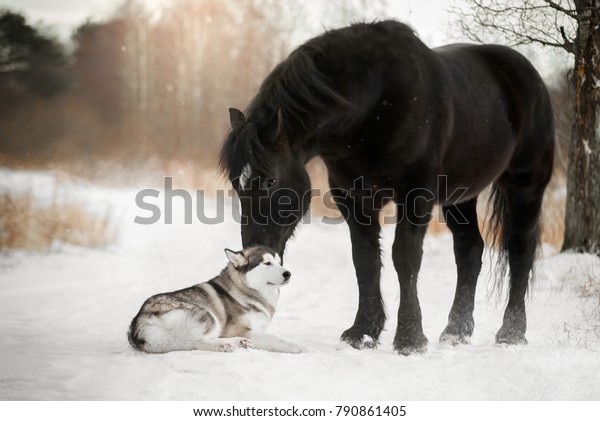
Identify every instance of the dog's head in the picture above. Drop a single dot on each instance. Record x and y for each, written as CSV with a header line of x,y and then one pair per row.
x,y
260,267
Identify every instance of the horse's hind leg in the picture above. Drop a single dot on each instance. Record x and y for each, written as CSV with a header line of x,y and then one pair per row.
x,y
520,239
461,219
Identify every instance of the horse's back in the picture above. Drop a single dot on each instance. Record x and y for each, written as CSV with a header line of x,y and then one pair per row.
x,y
501,107
523,92
406,104
531,108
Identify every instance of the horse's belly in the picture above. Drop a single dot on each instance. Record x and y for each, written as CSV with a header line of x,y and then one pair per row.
x,y
470,174
454,191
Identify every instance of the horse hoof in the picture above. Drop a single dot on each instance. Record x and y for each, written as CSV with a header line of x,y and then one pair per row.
x,y
511,339
411,350
455,336
450,339
358,340
510,336
407,348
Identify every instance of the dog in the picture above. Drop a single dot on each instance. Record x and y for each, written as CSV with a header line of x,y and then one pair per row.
x,y
231,311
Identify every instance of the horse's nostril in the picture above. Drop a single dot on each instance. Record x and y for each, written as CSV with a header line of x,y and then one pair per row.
x,y
287,274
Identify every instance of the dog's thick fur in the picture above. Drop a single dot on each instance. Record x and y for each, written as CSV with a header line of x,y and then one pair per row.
x,y
230,311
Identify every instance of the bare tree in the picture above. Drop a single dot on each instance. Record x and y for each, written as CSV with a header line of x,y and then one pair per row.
x,y
572,25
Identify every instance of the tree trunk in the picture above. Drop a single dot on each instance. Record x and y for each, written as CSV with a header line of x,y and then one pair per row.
x,y
582,219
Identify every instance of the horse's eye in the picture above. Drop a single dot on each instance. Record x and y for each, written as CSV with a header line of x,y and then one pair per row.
x,y
271,182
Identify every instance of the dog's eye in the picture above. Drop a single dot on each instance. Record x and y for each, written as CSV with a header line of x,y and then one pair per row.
x,y
268,263
271,182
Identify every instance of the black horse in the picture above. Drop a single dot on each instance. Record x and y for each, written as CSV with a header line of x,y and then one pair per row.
x,y
380,107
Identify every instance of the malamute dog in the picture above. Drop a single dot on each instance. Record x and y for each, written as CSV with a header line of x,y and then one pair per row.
x,y
230,311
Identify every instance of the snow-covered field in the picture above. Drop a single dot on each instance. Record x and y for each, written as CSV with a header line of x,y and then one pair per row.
x,y
64,317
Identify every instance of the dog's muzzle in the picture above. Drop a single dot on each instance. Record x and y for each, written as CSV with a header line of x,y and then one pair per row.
x,y
286,278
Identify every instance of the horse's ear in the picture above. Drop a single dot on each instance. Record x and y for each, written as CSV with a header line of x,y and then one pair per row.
x,y
236,118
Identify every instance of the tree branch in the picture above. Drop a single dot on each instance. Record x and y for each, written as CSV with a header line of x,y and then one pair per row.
x,y
517,22
569,12
568,45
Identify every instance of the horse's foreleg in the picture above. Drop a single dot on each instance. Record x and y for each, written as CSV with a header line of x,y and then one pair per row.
x,y
370,316
468,249
407,253
366,256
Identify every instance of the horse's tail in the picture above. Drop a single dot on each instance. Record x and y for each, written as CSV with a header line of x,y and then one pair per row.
x,y
497,233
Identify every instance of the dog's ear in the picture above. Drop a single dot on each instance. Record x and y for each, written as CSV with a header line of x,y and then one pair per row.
x,y
237,258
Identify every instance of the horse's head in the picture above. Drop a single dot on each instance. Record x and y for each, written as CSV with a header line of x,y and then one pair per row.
x,y
271,182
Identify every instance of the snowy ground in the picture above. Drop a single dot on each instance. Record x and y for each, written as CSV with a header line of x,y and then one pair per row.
x,y
64,317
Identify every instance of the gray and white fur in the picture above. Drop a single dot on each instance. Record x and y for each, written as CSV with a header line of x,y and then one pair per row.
x,y
232,310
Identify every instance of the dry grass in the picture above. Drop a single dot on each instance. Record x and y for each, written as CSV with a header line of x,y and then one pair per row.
x,y
553,212
24,225
591,286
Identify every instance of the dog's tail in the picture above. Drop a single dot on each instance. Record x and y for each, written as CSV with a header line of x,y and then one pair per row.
x,y
133,336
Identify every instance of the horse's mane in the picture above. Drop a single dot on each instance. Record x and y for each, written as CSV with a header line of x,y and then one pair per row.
x,y
296,91
244,147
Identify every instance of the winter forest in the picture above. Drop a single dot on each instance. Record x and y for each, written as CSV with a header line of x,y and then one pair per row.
x,y
141,94
146,83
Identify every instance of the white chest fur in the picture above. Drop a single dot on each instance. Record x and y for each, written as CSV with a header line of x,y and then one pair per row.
x,y
257,321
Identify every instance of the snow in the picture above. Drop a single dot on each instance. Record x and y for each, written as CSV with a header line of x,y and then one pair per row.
x,y
64,317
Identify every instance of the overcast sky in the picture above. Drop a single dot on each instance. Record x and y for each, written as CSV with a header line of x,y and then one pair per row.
x,y
430,18
65,15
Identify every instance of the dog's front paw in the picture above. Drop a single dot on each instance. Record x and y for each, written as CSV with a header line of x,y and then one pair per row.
x,y
245,343
226,347
231,344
